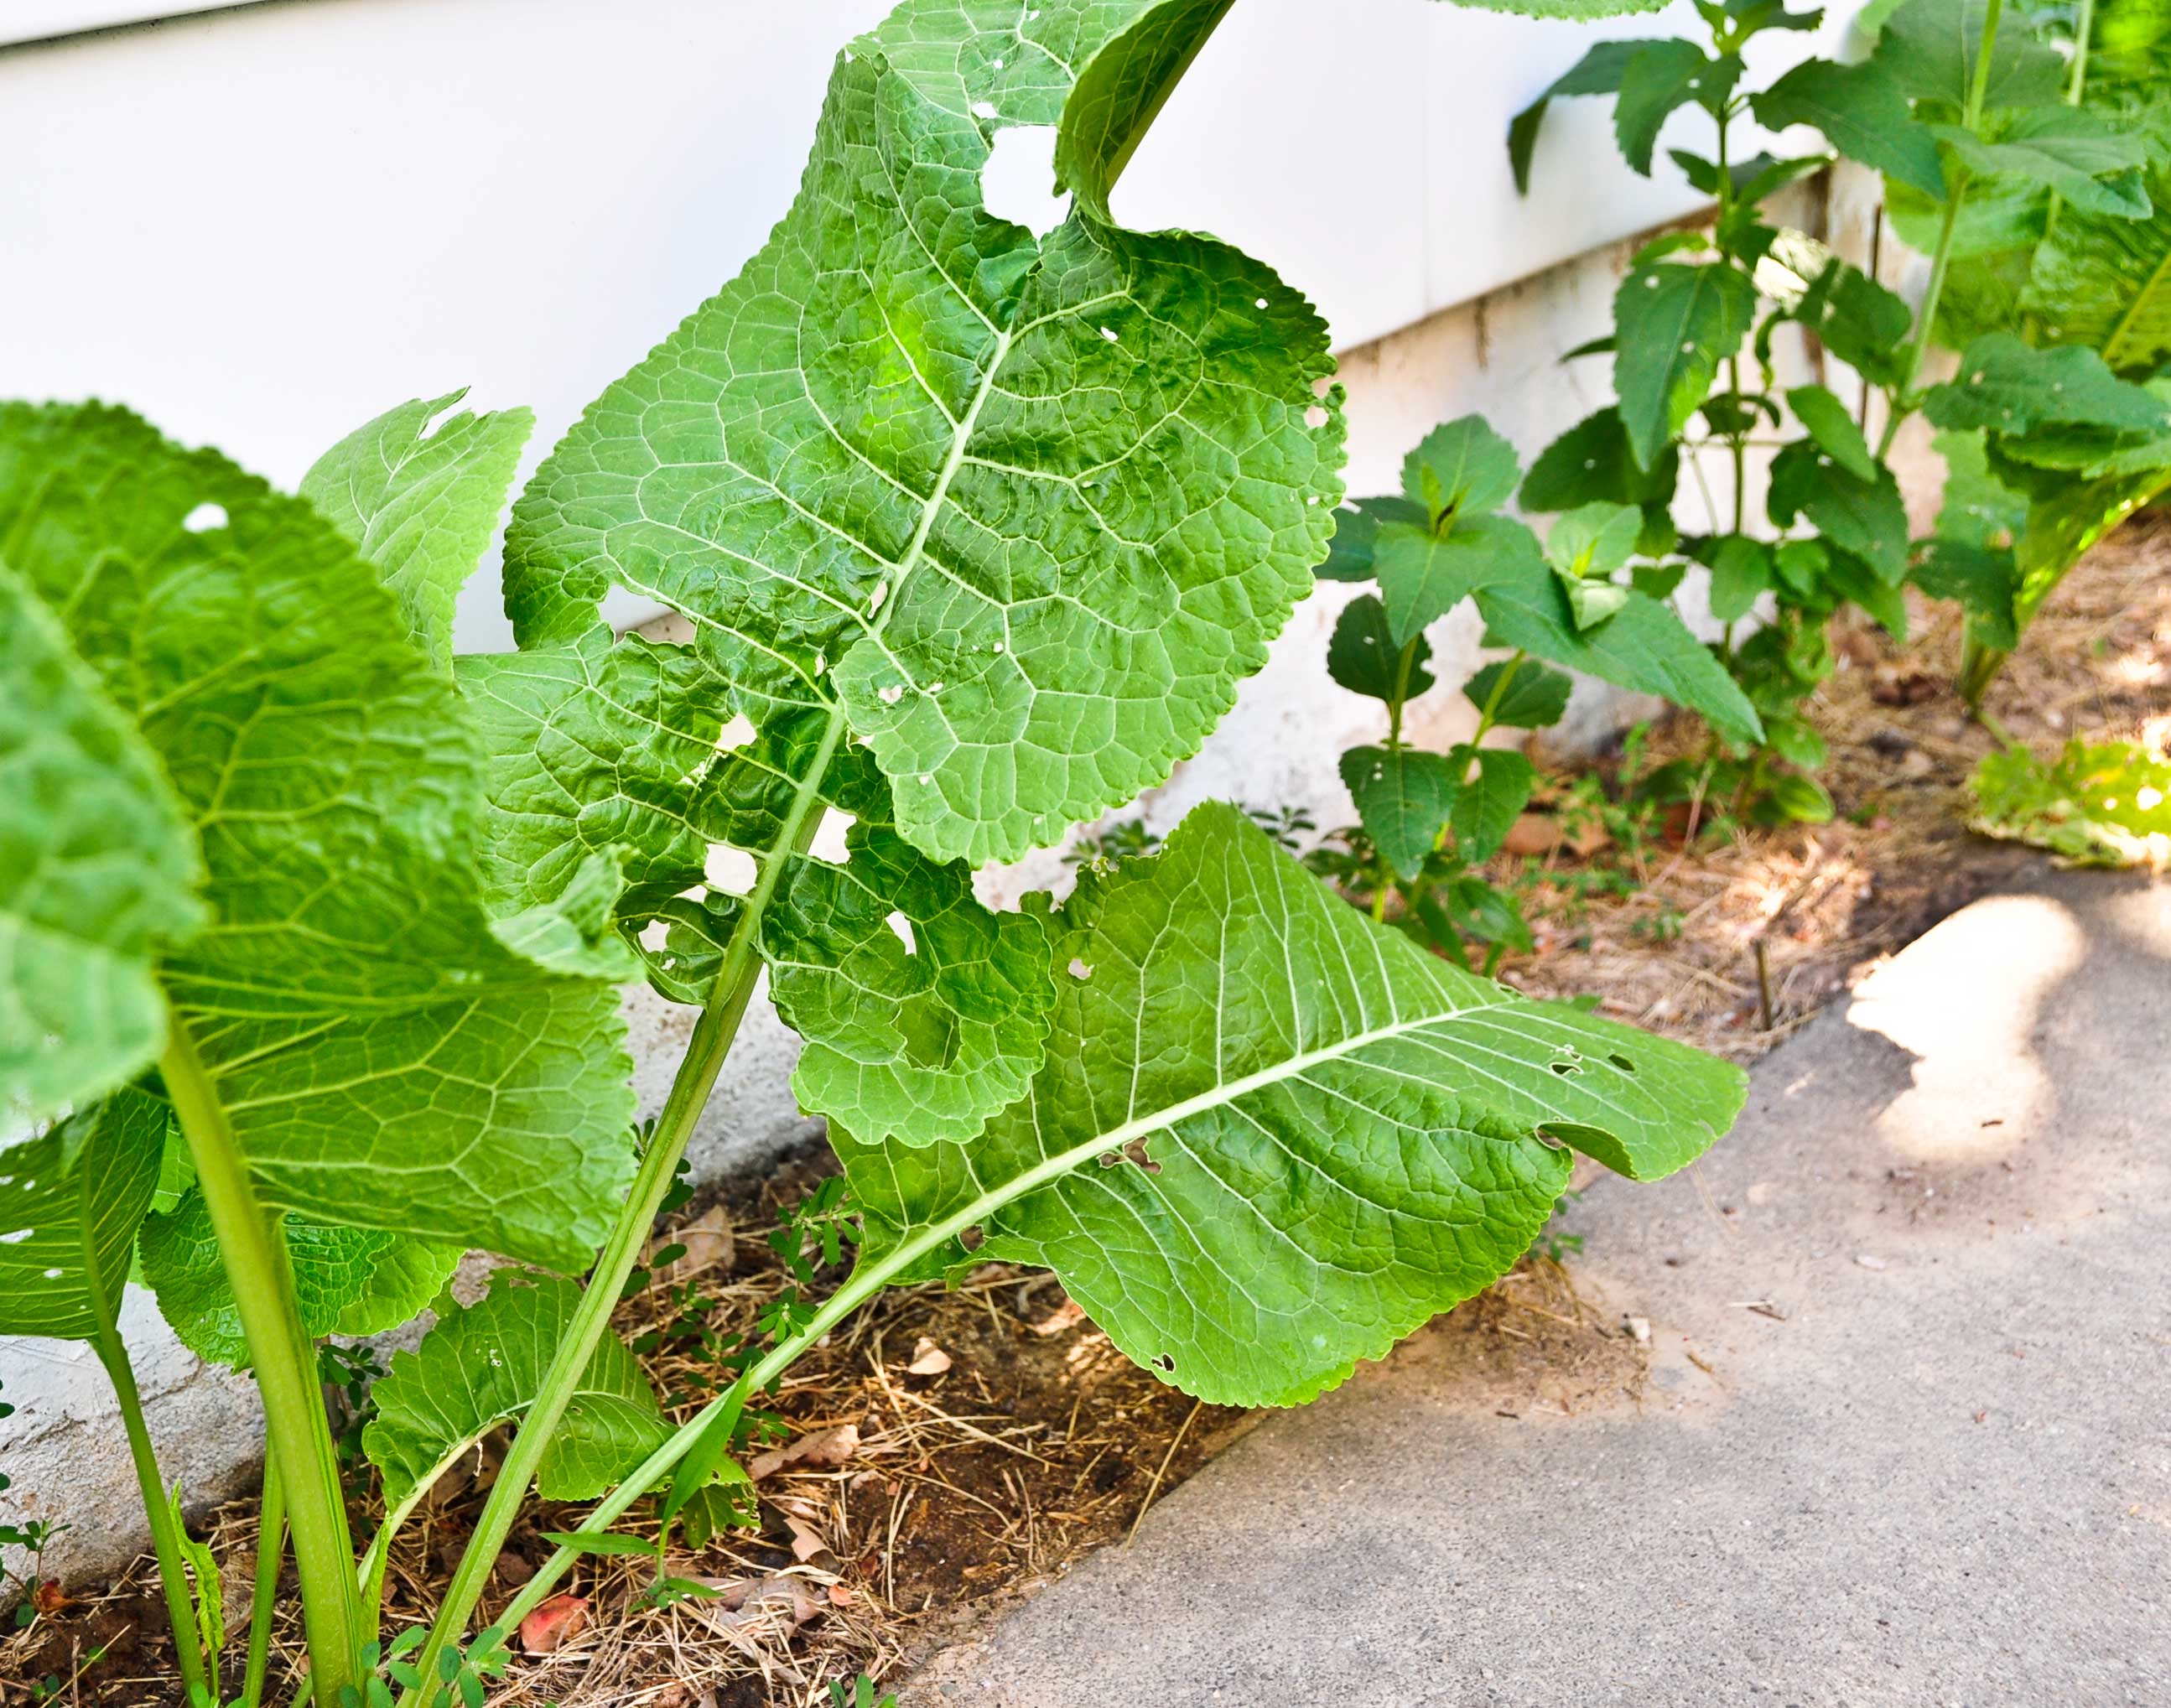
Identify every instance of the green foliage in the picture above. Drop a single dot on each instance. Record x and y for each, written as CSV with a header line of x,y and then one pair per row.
x,y
1330,1092
2097,804
70,1200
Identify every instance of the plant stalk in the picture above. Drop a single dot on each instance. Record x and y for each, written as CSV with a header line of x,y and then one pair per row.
x,y
271,1554
173,1581
255,1251
712,1042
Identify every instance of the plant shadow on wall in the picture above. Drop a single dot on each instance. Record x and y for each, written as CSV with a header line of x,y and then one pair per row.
x,y
316,930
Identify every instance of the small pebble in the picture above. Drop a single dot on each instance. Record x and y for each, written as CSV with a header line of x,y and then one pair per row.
x,y
1868,1262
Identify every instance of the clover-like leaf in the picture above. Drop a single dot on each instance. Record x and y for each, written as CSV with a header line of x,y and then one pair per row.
x,y
422,503
382,1058
1424,575
1533,697
1403,797
481,1367
1496,785
1028,508
1271,1136
1863,113
70,1198
98,868
1363,657
1461,468
1677,323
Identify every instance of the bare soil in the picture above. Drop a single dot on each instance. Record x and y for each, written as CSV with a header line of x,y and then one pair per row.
x,y
959,1447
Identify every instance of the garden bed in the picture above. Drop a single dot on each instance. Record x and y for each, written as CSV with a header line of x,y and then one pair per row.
x,y
968,1443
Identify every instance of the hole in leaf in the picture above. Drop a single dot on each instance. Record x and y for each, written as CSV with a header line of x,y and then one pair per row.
x,y
1566,1068
18,1237
1135,1152
205,517
730,871
1622,1062
973,1237
1165,1364
1016,184
1260,303
1315,416
1109,1158
1552,1141
735,734
829,843
1079,969
1323,385
897,923
1111,335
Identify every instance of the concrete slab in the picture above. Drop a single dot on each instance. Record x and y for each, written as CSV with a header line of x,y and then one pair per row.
x,y
1939,1472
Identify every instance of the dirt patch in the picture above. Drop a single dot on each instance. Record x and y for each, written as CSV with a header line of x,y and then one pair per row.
x,y
995,1435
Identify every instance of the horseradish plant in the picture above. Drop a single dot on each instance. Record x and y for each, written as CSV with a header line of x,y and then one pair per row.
x,y
1428,819
1950,110
314,931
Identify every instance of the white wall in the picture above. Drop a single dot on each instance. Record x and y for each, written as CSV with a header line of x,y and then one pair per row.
x,y
263,226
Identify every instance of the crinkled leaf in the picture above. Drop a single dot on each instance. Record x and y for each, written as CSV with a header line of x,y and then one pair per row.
x,y
1598,73
383,1059
923,1012
1363,657
1272,1137
1863,112
70,1198
2105,281
348,1280
1643,647
422,503
1461,468
1932,48
2007,386
98,868
2071,151
1424,575
1834,430
1031,507
1677,323
2091,806
1535,697
1661,77
1866,517
1495,788
1403,797
481,1366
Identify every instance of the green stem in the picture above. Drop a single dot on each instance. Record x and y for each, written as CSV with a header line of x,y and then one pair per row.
x,y
173,1581
270,1552
712,1042
255,1252
1490,711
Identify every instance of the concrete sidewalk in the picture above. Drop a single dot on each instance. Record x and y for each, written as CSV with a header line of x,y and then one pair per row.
x,y
1940,1475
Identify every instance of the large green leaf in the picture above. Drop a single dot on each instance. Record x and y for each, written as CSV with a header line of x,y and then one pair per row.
x,y
347,1280
1863,112
383,1059
1272,1137
70,1198
1643,647
1029,508
480,1367
2010,388
1677,323
2104,280
1932,49
98,867
421,505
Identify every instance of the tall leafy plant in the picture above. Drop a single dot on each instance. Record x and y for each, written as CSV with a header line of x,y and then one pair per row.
x,y
314,930
1955,113
1429,818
